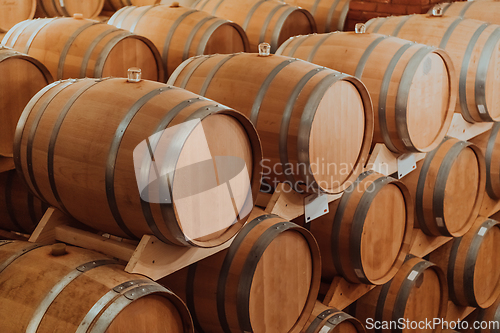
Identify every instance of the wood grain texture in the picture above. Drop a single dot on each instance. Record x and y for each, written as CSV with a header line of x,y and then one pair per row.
x,y
413,87
94,139
330,15
489,317
20,210
13,12
354,242
33,276
114,5
479,10
88,8
417,292
472,45
480,286
315,124
181,33
22,77
264,21
448,186
244,288
78,48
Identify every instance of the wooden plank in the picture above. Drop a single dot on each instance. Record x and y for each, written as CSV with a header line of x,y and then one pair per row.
x,y
457,312
156,260
6,164
12,235
489,207
45,231
423,244
91,241
342,293
464,130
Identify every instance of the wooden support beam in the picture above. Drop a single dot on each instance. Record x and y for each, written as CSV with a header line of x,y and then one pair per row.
x,y
457,312
342,293
423,244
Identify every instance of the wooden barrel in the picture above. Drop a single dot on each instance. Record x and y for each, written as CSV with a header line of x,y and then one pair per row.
x,y
473,47
88,8
417,293
267,281
330,320
114,5
22,77
80,143
489,143
472,264
448,187
13,12
484,320
181,33
366,235
315,124
412,86
69,289
268,21
81,48
330,15
477,10
20,210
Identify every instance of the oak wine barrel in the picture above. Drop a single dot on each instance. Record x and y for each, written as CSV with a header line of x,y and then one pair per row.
x,y
51,8
448,187
365,236
477,10
472,264
22,77
472,45
417,293
266,282
81,146
412,86
181,33
78,48
268,21
20,210
489,143
114,5
69,289
330,15
330,320
315,124
13,12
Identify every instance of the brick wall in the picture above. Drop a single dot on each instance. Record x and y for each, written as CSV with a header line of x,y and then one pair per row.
x,y
364,10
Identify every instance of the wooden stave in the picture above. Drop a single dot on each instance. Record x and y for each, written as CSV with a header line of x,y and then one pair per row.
x,y
478,87
81,263
125,13
172,236
458,260
329,240
394,297
181,79
115,5
117,37
30,16
418,183
59,9
31,209
252,7
490,315
6,54
330,15
184,281
330,318
474,10
397,139
490,147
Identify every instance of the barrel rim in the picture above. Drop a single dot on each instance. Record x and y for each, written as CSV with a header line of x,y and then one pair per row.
x,y
30,16
279,25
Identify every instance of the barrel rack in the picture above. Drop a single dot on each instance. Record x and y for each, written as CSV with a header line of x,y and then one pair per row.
x,y
152,258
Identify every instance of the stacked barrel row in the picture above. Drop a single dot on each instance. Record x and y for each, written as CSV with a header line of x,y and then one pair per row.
x,y
82,143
